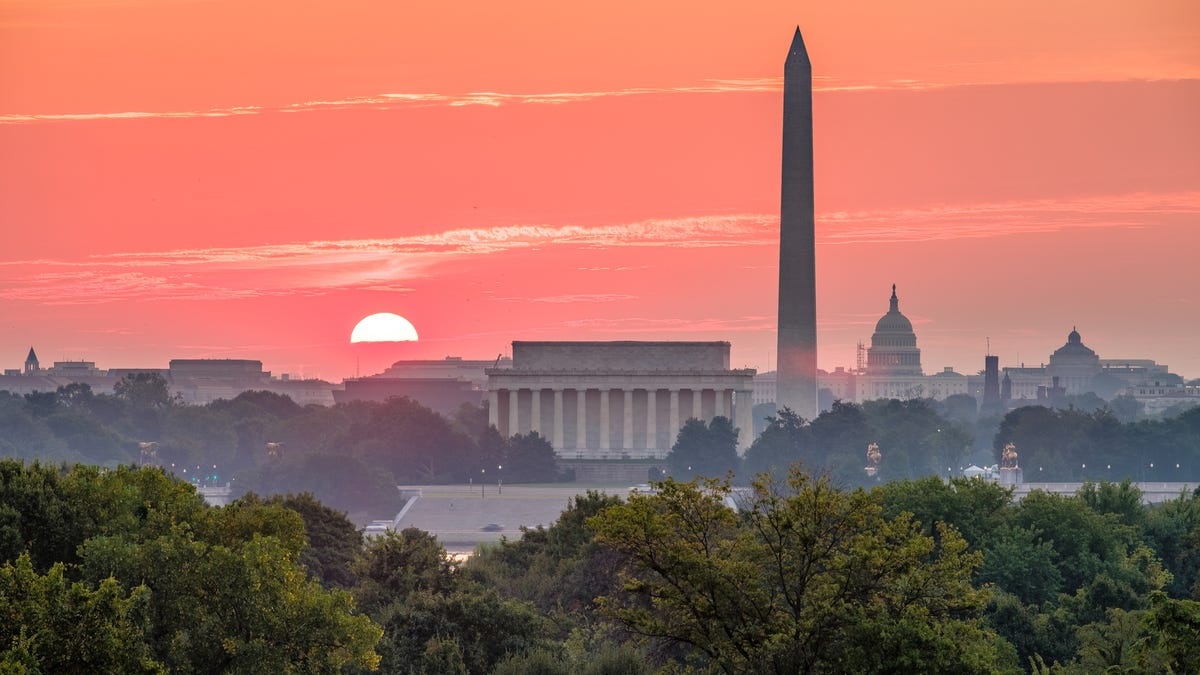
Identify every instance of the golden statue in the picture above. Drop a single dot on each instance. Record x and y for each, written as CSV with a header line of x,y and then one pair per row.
x,y
1008,457
873,457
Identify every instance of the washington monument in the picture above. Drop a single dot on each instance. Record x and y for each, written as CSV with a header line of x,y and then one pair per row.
x,y
797,370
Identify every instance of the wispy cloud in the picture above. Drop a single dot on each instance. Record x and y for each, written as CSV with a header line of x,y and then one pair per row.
x,y
650,325
315,267
392,101
993,219
395,264
388,101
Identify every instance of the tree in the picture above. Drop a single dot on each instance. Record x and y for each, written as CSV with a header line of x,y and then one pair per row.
x,y
560,569
49,624
343,483
411,441
1172,627
395,565
1173,529
225,599
839,440
704,449
144,390
973,506
133,556
807,580
414,590
529,458
784,442
1127,408
331,540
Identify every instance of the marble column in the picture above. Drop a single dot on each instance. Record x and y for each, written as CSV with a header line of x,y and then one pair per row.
x,y
535,410
698,404
514,398
651,421
674,419
581,419
557,441
627,418
719,403
605,422
494,408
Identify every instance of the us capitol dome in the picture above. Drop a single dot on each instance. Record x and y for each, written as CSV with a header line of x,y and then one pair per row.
x,y
893,348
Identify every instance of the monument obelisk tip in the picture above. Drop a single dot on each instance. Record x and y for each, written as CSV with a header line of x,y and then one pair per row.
x,y
798,53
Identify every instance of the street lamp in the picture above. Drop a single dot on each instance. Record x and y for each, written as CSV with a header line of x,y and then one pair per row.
x,y
481,477
499,480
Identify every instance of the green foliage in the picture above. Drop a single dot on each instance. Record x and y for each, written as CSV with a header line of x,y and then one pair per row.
x,y
1173,530
974,507
704,449
412,588
807,579
1123,500
163,583
784,441
560,569
1019,561
220,600
53,625
1085,542
331,540
443,657
1172,627
529,458
144,390
485,625
395,565
411,441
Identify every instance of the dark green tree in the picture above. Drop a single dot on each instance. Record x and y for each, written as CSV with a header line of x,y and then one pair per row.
x,y
704,449
529,458
784,441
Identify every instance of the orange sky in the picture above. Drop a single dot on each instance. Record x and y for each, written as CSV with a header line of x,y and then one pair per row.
x,y
248,179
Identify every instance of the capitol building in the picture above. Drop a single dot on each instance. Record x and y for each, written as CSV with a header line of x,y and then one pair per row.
x,y
892,369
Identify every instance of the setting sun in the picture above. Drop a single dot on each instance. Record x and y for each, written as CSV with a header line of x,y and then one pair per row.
x,y
384,327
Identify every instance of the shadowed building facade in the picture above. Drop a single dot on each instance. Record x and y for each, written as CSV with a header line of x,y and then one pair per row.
x,y
797,329
617,400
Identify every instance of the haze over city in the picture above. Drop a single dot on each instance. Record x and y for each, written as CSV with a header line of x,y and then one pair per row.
x,y
217,180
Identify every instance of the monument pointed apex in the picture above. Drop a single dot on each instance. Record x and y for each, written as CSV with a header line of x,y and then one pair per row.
x,y
798,53
32,356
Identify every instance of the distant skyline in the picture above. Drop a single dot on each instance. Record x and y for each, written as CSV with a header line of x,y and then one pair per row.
x,y
250,179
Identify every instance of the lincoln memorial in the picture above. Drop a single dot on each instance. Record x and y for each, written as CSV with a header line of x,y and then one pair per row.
x,y
617,400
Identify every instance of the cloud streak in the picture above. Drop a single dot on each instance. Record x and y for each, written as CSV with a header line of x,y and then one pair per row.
x,y
395,264
395,101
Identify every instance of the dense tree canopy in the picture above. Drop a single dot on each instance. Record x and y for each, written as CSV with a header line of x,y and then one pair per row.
x,y
129,571
807,580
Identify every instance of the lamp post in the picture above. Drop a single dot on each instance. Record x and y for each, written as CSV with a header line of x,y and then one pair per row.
x,y
481,483
499,479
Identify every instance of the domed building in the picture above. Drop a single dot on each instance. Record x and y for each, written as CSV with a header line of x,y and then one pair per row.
x,y
893,367
893,348
1074,364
